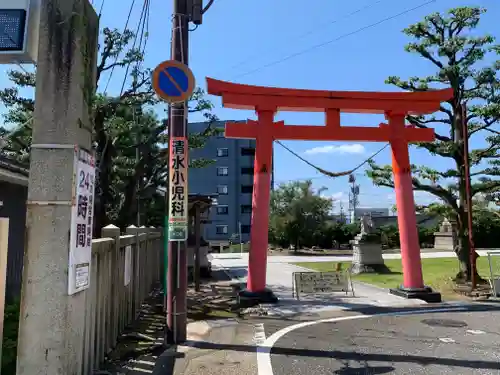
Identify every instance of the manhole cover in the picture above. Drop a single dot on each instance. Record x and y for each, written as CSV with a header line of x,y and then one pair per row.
x,y
444,323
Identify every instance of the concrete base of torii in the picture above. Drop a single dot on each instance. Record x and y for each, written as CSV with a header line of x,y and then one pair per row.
x,y
246,298
425,294
250,299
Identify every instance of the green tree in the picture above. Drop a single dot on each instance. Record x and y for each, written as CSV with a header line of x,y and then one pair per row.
x,y
130,140
298,213
448,42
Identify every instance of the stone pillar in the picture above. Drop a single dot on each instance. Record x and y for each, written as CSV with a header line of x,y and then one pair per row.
x,y
136,303
367,250
4,249
445,239
51,329
112,231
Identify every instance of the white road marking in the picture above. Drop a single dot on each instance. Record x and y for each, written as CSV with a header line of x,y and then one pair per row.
x,y
264,366
446,339
142,362
259,335
475,331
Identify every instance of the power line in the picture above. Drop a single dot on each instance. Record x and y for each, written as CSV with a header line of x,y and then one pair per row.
x,y
312,31
117,56
140,26
101,8
299,53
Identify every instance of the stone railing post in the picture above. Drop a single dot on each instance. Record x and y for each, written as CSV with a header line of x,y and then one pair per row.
x,y
145,260
4,248
153,254
158,260
112,231
135,297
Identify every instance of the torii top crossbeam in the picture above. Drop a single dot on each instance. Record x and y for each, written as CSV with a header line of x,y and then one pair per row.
x,y
261,99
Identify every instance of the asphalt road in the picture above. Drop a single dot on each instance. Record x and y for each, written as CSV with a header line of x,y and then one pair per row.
x,y
466,342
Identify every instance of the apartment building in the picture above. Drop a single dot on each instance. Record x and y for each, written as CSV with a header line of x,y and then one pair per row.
x,y
230,176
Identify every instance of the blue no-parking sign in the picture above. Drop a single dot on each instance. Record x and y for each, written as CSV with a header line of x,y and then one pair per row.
x,y
173,81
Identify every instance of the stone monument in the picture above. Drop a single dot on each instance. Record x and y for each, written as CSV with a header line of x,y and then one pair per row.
x,y
445,239
367,250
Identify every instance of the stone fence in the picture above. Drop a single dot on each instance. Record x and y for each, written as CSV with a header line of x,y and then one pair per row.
x,y
124,270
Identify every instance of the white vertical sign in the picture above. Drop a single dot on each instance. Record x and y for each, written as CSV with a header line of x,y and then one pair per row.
x,y
82,215
128,265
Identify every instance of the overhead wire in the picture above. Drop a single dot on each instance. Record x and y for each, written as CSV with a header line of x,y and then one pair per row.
x,y
101,8
315,30
140,25
144,32
116,57
319,45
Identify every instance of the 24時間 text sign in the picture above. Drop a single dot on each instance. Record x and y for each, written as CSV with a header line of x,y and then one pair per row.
x,y
178,194
82,214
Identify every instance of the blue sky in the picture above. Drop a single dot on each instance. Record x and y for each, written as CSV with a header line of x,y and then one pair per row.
x,y
241,40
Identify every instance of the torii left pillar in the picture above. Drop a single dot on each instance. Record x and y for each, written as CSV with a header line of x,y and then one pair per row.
x,y
257,261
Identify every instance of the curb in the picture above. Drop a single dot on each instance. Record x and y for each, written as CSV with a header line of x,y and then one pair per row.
x,y
174,358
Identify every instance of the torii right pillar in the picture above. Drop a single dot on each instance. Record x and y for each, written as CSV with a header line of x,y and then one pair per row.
x,y
413,282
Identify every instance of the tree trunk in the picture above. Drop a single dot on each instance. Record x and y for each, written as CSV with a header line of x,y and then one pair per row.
x,y
463,248
463,251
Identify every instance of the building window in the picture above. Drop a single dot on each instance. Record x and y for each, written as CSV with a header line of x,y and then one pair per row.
x,y
222,152
247,151
246,170
222,210
246,189
245,229
222,171
246,209
221,229
222,189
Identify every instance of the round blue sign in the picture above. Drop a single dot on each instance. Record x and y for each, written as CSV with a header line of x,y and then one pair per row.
x,y
173,81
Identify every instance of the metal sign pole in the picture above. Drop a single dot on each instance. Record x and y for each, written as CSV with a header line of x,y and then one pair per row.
x,y
241,241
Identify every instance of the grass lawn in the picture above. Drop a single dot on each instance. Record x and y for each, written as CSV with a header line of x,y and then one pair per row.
x,y
236,248
438,273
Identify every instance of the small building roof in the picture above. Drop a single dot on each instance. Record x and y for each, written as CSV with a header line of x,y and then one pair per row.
x,y
13,172
204,201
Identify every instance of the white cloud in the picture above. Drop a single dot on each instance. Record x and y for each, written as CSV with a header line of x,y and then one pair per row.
x,y
354,148
338,196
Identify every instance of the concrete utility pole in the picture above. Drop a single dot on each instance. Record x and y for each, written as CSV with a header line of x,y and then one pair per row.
x,y
197,244
184,11
177,259
51,321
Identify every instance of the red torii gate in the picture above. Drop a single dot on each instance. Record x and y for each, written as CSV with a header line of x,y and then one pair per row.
x,y
266,101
